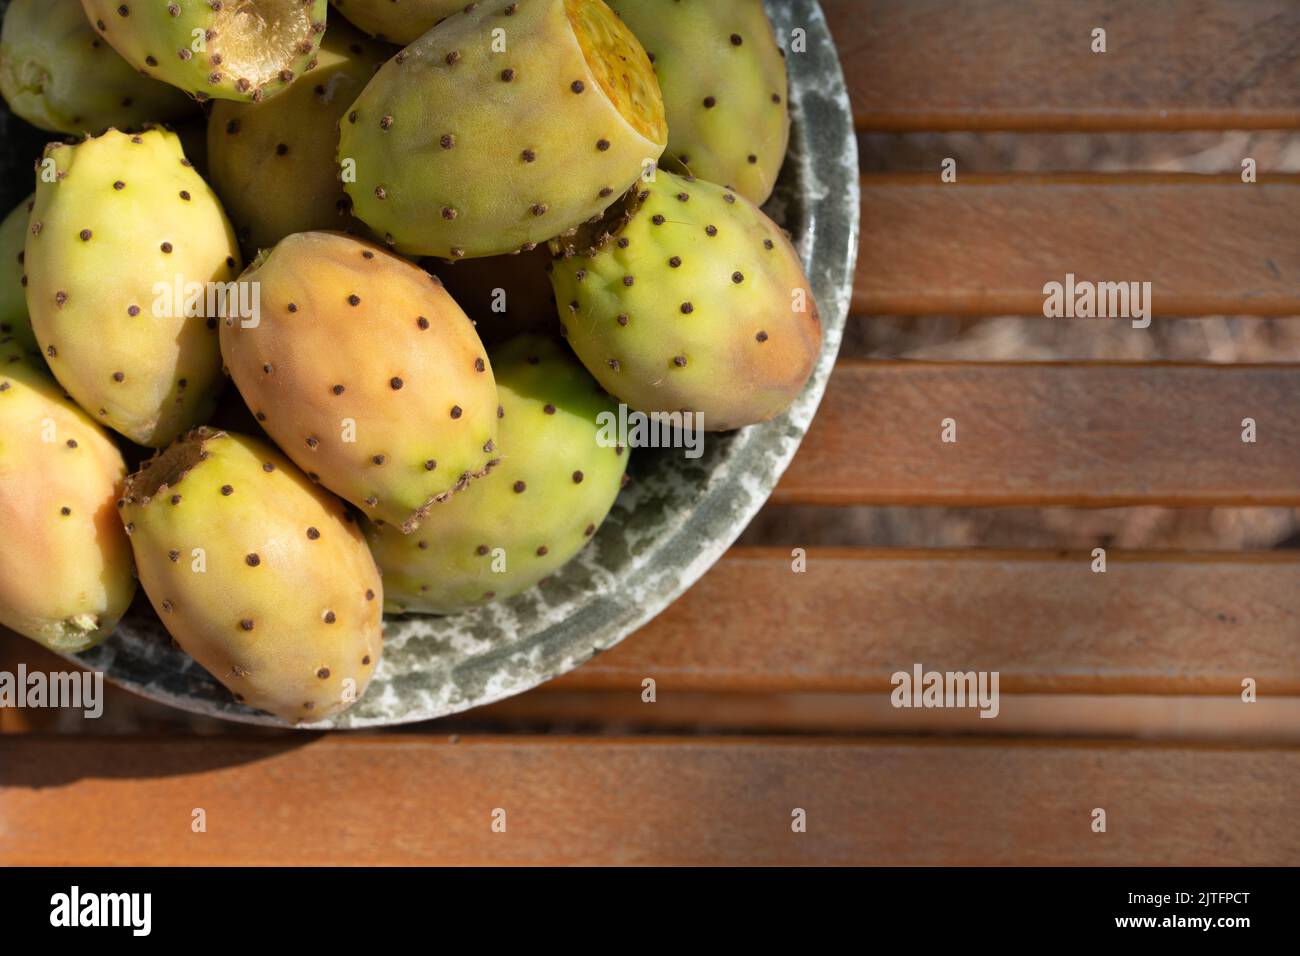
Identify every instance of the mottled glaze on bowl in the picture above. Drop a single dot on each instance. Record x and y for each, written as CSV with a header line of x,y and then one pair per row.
x,y
670,524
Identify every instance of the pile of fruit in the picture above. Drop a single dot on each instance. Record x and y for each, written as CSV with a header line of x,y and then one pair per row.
x,y
428,270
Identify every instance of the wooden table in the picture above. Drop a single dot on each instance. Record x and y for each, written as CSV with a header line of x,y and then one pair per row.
x,y
1120,691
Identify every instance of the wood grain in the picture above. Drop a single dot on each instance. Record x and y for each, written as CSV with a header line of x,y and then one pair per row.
x,y
1125,717
1153,623
819,652
815,652
1028,64
1091,434
401,800
987,244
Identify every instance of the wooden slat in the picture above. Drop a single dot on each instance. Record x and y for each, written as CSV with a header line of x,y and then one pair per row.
x,y
397,800
1028,64
1093,435
1153,623
1166,624
987,244
1201,719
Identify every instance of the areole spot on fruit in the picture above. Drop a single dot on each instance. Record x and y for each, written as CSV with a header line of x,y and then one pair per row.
x,y
349,353
56,73
95,254
439,129
720,320
724,85
529,516
282,617
65,564
273,162
245,51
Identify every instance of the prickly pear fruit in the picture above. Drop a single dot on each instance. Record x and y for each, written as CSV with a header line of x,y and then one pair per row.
x,y
273,162
15,326
127,253
504,295
690,300
65,565
724,84
56,73
502,127
366,373
554,486
397,21
230,51
260,576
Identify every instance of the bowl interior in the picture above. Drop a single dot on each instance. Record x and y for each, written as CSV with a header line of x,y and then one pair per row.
x,y
673,520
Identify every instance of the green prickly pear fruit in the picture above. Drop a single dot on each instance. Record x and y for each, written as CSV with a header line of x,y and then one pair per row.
x,y
260,576
366,372
273,162
504,295
15,326
724,84
56,73
690,299
65,565
243,50
128,253
544,501
397,21
501,127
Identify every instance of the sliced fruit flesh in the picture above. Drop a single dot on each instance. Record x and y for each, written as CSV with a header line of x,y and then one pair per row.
x,y
259,38
620,66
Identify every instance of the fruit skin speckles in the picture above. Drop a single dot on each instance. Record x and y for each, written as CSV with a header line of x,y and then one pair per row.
x,y
536,163
728,116
360,393
273,162
65,563
241,58
534,512
57,74
286,611
95,257
16,335
720,318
